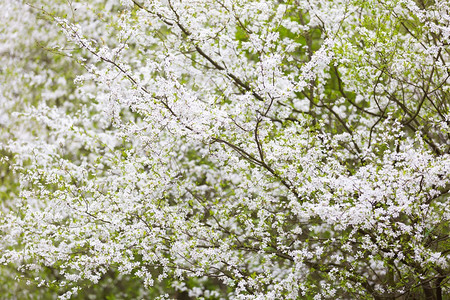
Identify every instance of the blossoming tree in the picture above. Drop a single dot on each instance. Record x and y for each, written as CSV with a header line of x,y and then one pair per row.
x,y
248,149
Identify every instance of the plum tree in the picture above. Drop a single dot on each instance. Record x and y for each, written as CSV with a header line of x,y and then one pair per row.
x,y
289,149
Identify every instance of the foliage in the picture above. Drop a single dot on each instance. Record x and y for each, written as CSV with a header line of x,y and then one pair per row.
x,y
247,149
